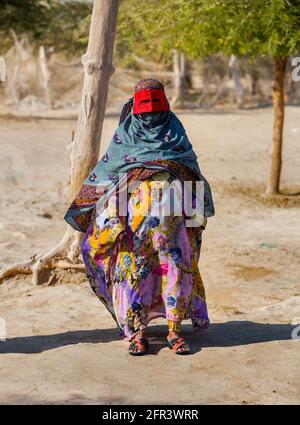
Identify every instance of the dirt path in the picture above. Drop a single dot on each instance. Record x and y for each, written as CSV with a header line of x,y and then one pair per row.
x,y
62,346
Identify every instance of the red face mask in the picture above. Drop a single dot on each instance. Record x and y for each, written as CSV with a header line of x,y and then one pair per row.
x,y
150,100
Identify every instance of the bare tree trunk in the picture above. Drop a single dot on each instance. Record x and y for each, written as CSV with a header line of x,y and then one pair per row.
x,y
45,74
13,81
235,72
222,86
279,65
84,150
179,72
200,100
254,82
98,69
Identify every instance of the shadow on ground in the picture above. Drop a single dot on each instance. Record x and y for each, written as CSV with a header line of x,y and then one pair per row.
x,y
227,334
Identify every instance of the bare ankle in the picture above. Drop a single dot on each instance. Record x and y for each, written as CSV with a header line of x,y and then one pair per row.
x,y
173,334
174,328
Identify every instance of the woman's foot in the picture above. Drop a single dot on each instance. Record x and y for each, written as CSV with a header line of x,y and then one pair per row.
x,y
178,344
139,345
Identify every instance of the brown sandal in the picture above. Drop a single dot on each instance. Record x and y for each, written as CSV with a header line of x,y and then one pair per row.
x,y
177,343
141,344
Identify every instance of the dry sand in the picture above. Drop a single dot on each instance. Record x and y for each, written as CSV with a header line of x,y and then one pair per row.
x,y
63,347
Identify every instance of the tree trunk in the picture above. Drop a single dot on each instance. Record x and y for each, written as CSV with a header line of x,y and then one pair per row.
x,y
279,65
219,92
45,75
98,69
254,82
13,80
179,72
235,72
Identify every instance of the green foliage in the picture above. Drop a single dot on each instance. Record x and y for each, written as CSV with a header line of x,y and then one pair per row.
x,y
23,16
253,27
68,25
28,17
203,27
53,23
153,28
150,29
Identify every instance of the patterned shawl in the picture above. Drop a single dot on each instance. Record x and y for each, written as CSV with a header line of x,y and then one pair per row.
x,y
139,142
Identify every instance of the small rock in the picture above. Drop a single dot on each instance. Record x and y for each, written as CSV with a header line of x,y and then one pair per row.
x,y
46,215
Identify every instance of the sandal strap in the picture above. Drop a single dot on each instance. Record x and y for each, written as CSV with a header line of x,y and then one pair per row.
x,y
143,340
173,341
177,343
140,343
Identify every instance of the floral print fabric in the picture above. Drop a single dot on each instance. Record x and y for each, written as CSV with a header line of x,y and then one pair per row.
x,y
142,266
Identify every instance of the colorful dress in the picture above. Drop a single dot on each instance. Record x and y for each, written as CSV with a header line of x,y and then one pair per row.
x,y
143,267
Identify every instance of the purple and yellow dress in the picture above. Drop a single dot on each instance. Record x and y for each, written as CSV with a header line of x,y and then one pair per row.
x,y
143,266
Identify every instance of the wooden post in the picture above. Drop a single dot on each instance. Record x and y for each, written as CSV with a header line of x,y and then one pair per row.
x,y
45,75
14,76
179,74
235,73
98,68
279,65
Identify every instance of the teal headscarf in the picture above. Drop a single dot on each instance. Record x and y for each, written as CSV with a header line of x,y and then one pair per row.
x,y
141,138
139,141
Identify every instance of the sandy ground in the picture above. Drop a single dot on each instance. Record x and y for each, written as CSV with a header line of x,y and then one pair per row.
x,y
63,347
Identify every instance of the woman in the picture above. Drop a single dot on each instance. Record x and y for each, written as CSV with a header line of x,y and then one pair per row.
x,y
143,265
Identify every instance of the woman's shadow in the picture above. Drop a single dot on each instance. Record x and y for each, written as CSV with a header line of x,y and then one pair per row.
x,y
227,334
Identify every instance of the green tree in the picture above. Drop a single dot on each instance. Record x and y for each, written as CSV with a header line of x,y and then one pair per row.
x,y
51,23
30,17
254,28
203,27
49,26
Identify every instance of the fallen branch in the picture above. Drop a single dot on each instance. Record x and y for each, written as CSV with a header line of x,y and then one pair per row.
x,y
67,247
